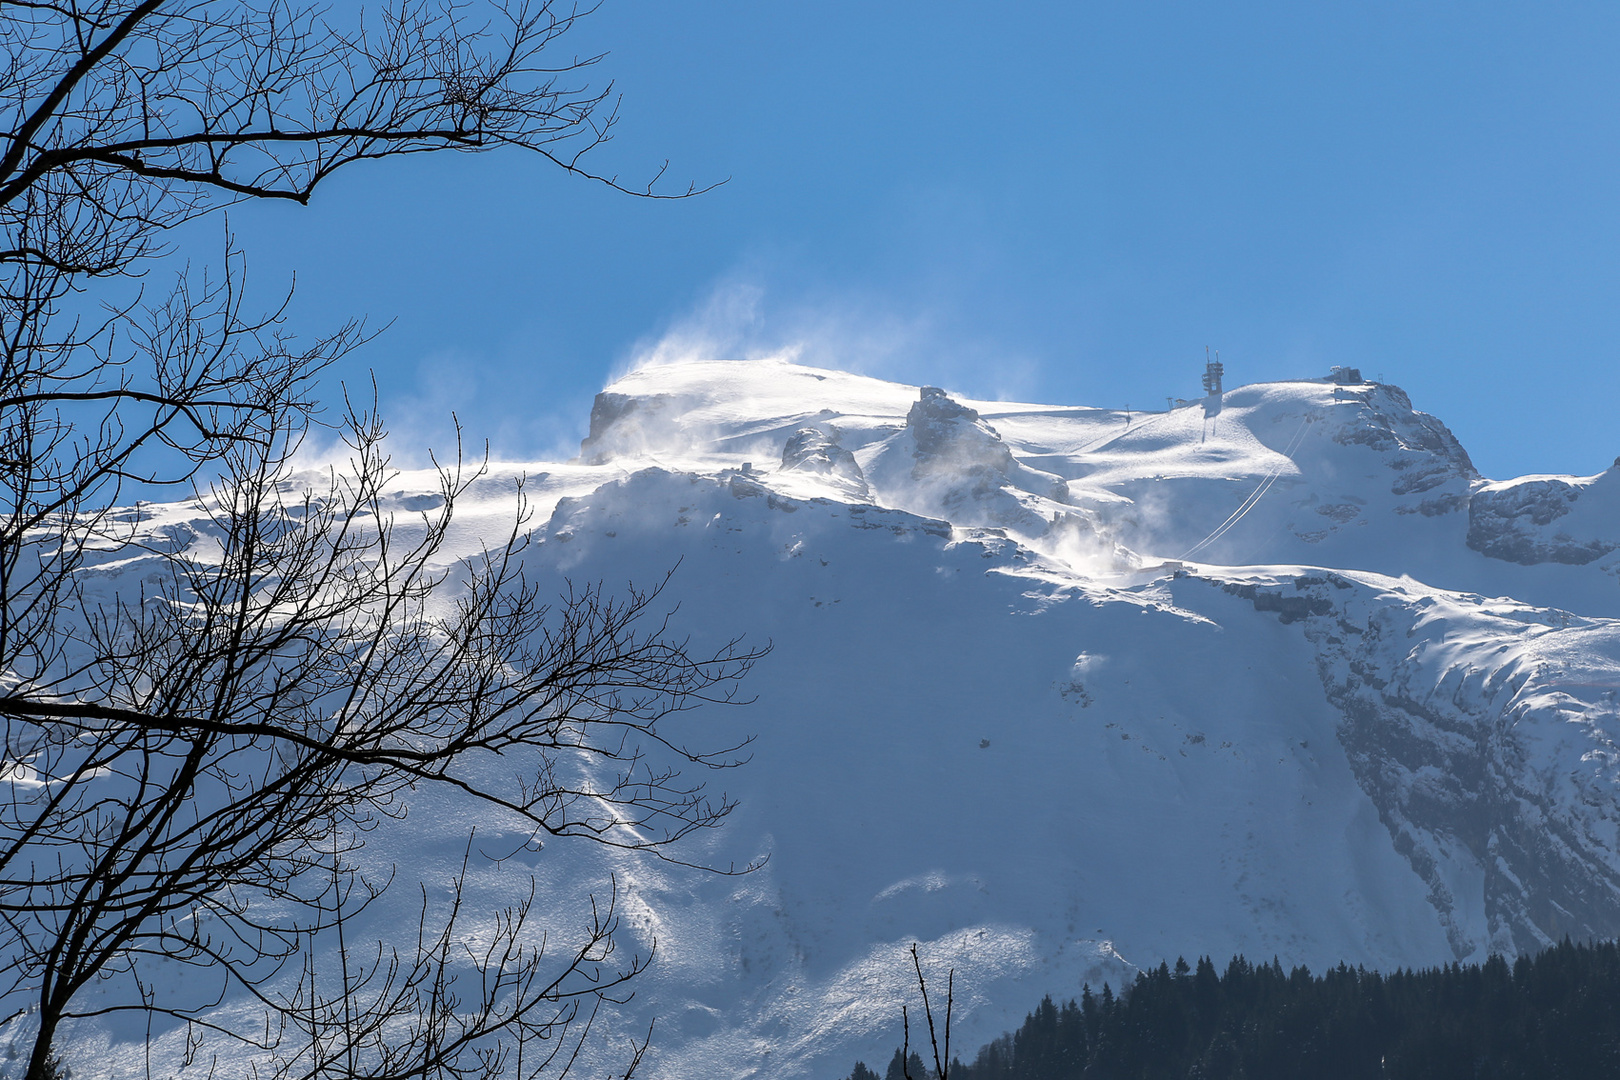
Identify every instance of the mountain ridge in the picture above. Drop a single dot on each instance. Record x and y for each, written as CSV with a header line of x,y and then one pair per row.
x,y
1061,692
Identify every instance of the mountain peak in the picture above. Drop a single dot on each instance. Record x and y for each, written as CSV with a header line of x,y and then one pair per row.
x,y
1058,693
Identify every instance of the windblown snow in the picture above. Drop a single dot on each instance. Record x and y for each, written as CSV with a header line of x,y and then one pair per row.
x,y
1060,692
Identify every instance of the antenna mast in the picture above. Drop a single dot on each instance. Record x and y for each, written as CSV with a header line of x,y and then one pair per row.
x,y
1212,374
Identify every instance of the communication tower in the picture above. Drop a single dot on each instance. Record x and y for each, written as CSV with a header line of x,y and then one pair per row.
x,y
1212,376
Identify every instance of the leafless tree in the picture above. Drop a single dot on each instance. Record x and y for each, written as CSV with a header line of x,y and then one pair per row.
x,y
192,768
942,1058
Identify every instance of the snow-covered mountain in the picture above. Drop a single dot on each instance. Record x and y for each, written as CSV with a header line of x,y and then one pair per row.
x,y
1058,692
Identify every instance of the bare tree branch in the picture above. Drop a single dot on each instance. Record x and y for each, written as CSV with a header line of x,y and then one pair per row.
x,y
193,759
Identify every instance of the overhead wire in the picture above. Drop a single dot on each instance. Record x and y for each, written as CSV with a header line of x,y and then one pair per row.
x,y
1256,495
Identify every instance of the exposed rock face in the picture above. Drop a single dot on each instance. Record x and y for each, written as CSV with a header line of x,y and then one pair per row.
x,y
951,436
629,426
1456,759
816,450
953,445
1422,450
962,470
1513,522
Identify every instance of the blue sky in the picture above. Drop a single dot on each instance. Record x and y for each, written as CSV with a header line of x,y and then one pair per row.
x,y
1051,202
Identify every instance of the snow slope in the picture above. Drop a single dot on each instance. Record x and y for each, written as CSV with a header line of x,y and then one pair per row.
x,y
1058,692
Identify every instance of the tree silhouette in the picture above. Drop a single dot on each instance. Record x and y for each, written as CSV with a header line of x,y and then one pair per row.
x,y
195,757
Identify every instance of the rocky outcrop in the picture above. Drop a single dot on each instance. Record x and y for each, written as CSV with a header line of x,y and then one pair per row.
x,y
1515,522
624,425
1420,449
950,435
952,443
1477,770
816,451
962,467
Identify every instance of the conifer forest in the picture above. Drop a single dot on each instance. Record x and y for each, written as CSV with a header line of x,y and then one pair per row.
x,y
1553,1016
